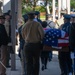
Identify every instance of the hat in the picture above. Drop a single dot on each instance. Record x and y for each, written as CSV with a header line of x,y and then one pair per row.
x,y
25,16
73,15
67,16
37,12
2,17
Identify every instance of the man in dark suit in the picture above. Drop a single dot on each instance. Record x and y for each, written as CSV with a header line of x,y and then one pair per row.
x,y
3,46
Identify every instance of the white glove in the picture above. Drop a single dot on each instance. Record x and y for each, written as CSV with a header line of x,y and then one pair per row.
x,y
72,55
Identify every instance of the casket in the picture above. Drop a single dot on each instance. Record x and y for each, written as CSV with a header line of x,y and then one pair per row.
x,y
48,48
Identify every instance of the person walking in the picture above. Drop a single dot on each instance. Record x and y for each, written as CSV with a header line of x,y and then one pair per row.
x,y
72,40
44,54
3,46
32,33
65,61
21,43
8,30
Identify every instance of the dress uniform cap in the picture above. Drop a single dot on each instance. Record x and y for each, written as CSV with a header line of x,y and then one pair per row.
x,y
25,16
37,12
73,15
2,17
66,16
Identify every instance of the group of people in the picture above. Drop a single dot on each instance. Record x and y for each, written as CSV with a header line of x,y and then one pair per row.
x,y
31,34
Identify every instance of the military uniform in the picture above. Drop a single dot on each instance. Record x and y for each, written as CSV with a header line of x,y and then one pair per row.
x,y
72,40
64,57
32,33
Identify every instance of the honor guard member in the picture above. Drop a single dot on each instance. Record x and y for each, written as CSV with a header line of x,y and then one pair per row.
x,y
65,61
72,40
32,33
50,23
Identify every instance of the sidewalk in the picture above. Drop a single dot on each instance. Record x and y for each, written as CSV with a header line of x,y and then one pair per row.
x,y
53,67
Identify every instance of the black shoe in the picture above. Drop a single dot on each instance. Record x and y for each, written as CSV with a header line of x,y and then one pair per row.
x,y
42,68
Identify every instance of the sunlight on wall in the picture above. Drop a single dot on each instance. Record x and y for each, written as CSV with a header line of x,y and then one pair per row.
x,y
5,2
6,5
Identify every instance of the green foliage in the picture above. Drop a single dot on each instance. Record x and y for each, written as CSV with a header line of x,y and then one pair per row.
x,y
25,10
37,8
72,4
40,8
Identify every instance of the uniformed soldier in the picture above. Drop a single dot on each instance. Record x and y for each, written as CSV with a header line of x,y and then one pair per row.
x,y
72,40
64,57
32,33
50,23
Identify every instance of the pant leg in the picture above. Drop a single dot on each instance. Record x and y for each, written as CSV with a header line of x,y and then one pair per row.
x,y
42,58
74,61
32,54
36,63
69,62
29,60
3,59
62,62
8,58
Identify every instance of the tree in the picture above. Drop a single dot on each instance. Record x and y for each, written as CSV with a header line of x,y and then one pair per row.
x,y
72,4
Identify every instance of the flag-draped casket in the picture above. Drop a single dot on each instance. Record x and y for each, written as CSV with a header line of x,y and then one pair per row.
x,y
55,39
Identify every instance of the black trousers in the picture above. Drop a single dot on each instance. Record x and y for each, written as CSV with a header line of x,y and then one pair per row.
x,y
44,57
32,54
65,62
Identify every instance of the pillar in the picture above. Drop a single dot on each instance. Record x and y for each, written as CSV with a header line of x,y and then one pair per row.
x,y
53,5
13,28
59,8
68,6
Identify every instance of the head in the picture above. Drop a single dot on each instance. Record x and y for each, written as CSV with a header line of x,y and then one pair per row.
x,y
31,15
7,16
25,17
37,13
61,15
2,19
49,17
44,24
67,18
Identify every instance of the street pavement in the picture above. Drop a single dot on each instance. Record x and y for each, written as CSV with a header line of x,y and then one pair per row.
x,y
52,67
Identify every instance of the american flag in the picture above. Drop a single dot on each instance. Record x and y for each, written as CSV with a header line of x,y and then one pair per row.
x,y
56,38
